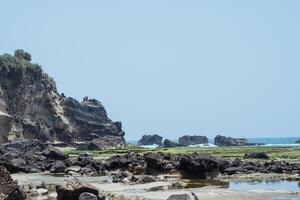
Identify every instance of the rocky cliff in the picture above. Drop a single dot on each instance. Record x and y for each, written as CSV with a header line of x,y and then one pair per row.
x,y
31,108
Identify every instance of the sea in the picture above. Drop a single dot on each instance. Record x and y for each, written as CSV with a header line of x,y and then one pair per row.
x,y
268,142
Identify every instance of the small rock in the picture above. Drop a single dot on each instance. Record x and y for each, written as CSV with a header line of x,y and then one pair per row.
x,y
87,196
42,191
38,184
146,179
188,196
126,181
160,178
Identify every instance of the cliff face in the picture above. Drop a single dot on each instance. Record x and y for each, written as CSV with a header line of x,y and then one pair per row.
x,y
37,111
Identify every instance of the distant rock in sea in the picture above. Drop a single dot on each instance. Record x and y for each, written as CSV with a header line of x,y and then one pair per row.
x,y
192,140
150,140
229,141
298,141
31,108
171,144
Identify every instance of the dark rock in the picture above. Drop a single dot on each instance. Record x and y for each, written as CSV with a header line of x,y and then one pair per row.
x,y
297,141
150,140
73,189
158,163
192,140
228,141
58,167
2,150
118,177
125,162
29,156
171,144
8,189
54,153
259,155
146,179
202,166
189,196
87,196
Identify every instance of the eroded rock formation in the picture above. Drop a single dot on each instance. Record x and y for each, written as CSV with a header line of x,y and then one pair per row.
x,y
228,141
150,140
192,140
37,111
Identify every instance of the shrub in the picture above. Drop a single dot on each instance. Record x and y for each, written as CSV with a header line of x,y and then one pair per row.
x,y
20,53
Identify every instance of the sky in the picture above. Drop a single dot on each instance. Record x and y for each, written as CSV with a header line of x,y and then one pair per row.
x,y
170,67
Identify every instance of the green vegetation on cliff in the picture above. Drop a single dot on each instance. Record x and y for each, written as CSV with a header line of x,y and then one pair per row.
x,y
16,69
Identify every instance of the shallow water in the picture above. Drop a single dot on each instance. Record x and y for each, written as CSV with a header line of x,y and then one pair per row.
x,y
165,188
280,185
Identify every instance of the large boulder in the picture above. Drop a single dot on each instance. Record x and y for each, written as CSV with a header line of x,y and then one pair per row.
x,y
192,140
228,141
54,153
150,140
8,189
297,141
202,166
158,163
5,126
73,189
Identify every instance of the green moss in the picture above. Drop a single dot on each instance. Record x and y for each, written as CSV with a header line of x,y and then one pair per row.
x,y
289,154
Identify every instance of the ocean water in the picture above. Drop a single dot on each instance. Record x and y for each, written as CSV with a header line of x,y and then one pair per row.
x,y
274,141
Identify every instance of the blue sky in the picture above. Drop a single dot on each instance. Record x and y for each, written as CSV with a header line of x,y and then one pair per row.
x,y
170,67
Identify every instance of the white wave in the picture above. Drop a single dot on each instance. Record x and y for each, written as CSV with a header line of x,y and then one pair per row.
x,y
153,146
203,145
282,145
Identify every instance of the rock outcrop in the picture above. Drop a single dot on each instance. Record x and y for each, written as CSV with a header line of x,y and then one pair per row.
x,y
297,141
74,190
171,144
192,140
35,156
9,190
150,140
228,141
37,111
5,126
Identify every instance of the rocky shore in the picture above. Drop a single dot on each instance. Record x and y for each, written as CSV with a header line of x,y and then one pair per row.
x,y
131,168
